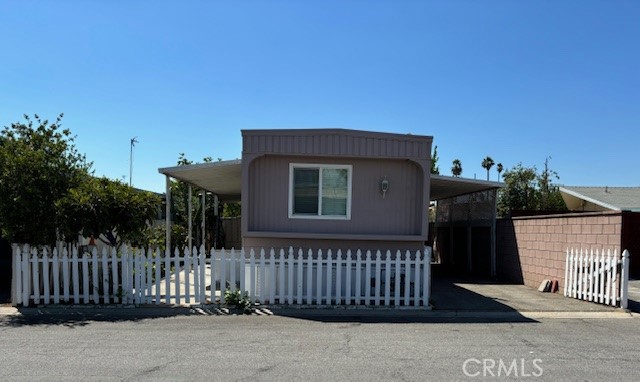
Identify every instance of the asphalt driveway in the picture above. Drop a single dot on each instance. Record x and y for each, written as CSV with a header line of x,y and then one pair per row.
x,y
450,294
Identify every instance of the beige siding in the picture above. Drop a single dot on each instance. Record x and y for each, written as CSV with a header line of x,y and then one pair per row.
x,y
399,213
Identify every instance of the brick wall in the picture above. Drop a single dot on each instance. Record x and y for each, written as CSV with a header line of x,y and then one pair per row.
x,y
531,249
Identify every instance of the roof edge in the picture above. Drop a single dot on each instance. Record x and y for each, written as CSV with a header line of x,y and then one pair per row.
x,y
187,167
337,131
589,199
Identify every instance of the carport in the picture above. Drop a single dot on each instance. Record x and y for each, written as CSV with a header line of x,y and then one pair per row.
x,y
462,235
463,231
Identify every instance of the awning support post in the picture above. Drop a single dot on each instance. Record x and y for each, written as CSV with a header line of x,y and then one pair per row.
x,y
204,226
168,217
190,224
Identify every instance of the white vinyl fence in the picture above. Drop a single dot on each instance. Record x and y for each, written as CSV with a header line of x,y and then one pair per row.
x,y
136,276
597,276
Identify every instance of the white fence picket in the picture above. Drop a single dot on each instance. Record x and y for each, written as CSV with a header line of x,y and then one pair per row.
x,y
26,277
35,278
187,279
223,274
45,277
55,269
117,290
387,279
290,289
348,270
329,274
252,276
299,279
272,276
407,278
319,278
378,278
262,277
367,279
338,284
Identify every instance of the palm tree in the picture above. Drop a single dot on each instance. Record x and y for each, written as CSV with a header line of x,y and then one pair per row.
x,y
487,163
456,169
499,168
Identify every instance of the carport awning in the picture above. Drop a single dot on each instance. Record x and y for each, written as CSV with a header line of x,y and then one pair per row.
x,y
444,187
224,179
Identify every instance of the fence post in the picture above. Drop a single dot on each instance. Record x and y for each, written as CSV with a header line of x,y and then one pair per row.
x,y
16,281
427,276
624,282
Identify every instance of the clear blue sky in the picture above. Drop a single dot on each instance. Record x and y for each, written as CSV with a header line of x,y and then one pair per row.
x,y
516,80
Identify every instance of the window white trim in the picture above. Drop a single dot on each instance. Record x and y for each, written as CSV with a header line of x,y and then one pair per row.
x,y
320,167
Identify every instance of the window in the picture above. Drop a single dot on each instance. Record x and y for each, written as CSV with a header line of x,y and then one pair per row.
x,y
320,191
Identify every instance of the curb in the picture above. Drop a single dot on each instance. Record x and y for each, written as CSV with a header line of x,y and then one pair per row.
x,y
152,311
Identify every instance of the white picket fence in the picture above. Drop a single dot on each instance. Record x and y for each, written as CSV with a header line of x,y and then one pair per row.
x,y
136,276
597,277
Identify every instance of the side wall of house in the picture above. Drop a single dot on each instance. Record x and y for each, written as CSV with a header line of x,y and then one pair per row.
x,y
531,249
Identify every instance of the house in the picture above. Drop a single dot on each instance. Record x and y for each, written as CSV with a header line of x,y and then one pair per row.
x,y
593,199
335,189
330,188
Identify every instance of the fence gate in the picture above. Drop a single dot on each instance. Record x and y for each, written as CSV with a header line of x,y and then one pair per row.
x,y
597,277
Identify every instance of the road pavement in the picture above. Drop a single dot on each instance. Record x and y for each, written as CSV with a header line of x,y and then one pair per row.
x,y
120,346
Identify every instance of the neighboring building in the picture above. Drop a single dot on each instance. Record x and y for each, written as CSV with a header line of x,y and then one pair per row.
x,y
531,248
595,199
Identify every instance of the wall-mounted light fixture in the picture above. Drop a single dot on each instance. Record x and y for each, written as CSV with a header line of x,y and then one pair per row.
x,y
384,187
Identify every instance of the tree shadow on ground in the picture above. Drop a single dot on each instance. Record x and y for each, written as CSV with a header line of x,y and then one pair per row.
x,y
78,317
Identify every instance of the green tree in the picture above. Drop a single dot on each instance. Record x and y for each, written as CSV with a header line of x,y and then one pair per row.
x,y
499,168
108,210
39,164
456,169
526,190
550,197
434,161
487,163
